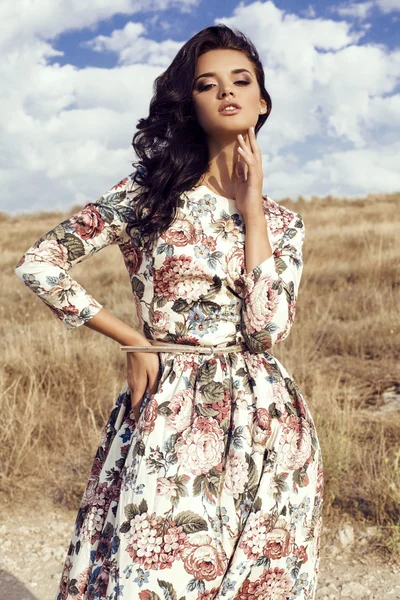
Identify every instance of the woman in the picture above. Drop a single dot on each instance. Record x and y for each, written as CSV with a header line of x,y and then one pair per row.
x,y
208,479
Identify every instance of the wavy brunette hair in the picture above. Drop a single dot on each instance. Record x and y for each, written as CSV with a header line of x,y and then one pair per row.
x,y
170,144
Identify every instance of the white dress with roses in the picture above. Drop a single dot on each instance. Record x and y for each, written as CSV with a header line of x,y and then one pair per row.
x,y
216,491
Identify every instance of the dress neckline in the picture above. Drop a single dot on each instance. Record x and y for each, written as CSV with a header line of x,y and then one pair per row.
x,y
203,185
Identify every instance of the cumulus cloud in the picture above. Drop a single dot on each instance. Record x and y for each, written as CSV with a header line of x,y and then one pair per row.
x,y
360,10
388,6
132,47
66,131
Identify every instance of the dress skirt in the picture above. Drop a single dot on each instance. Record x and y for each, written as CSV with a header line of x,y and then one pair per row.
x,y
214,493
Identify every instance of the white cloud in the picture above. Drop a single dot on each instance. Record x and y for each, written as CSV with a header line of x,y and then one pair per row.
x,y
66,131
132,47
388,6
45,19
362,10
359,10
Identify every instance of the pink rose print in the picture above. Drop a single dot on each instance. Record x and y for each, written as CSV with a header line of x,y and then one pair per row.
x,y
167,487
161,321
121,184
262,304
228,228
280,396
185,362
200,448
183,232
209,242
301,554
82,581
65,578
262,429
149,416
273,584
202,559
181,406
181,277
88,222
236,474
255,364
296,445
278,541
279,217
49,251
133,256
235,269
208,594
91,486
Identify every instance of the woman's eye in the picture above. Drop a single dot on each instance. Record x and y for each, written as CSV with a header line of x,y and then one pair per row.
x,y
206,86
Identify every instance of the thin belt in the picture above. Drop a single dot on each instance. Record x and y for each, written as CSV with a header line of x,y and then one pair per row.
x,y
159,346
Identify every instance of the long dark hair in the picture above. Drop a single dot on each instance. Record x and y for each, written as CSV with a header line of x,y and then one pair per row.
x,y
170,144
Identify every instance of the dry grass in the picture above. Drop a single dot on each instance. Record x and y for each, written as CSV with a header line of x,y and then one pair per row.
x,y
57,386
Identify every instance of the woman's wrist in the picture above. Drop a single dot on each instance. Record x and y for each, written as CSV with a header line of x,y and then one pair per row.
x,y
111,326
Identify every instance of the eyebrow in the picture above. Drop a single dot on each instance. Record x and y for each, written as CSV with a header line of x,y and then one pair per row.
x,y
212,74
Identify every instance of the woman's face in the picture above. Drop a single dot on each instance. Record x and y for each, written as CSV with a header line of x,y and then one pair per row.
x,y
215,81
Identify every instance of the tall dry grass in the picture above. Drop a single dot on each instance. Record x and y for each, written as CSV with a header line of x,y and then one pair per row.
x,y
58,386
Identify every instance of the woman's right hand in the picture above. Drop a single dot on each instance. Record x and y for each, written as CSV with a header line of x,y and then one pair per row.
x,y
143,374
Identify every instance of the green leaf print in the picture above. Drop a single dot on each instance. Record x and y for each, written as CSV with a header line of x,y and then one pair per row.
x,y
208,307
74,246
108,531
168,589
205,411
191,522
213,392
207,371
137,287
257,504
181,306
253,475
131,510
72,589
300,476
280,485
214,289
125,527
258,340
163,409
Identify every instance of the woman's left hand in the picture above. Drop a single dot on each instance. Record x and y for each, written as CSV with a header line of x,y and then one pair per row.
x,y
249,185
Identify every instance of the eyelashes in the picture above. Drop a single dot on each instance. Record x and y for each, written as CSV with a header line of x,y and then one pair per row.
x,y
203,87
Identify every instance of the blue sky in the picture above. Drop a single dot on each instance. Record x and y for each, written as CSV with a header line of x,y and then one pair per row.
x,y
384,28
71,101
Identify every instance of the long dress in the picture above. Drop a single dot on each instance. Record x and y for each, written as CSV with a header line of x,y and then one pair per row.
x,y
216,491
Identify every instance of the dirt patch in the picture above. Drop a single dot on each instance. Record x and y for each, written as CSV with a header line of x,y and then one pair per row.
x,y
33,545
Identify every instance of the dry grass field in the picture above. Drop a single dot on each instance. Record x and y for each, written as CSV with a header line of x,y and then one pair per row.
x,y
58,386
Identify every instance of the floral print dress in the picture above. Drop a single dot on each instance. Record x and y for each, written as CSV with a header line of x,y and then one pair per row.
x,y
216,491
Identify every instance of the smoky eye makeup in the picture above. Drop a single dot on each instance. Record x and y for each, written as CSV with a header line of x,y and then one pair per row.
x,y
201,85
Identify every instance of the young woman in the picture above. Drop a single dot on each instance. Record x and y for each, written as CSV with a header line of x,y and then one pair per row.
x,y
207,483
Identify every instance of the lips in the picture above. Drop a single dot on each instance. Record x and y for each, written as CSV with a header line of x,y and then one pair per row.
x,y
227,103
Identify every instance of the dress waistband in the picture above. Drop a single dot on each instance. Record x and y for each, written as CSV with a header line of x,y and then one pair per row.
x,y
159,346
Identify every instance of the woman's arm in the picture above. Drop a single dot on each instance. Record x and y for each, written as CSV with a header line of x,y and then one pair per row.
x,y
45,266
271,287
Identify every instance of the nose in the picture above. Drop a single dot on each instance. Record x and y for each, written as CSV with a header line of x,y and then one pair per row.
x,y
225,91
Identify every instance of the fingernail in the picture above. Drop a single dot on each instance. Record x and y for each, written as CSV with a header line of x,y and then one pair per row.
x,y
252,129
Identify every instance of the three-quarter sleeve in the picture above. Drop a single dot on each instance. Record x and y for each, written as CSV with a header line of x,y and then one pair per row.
x,y
271,291
44,266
